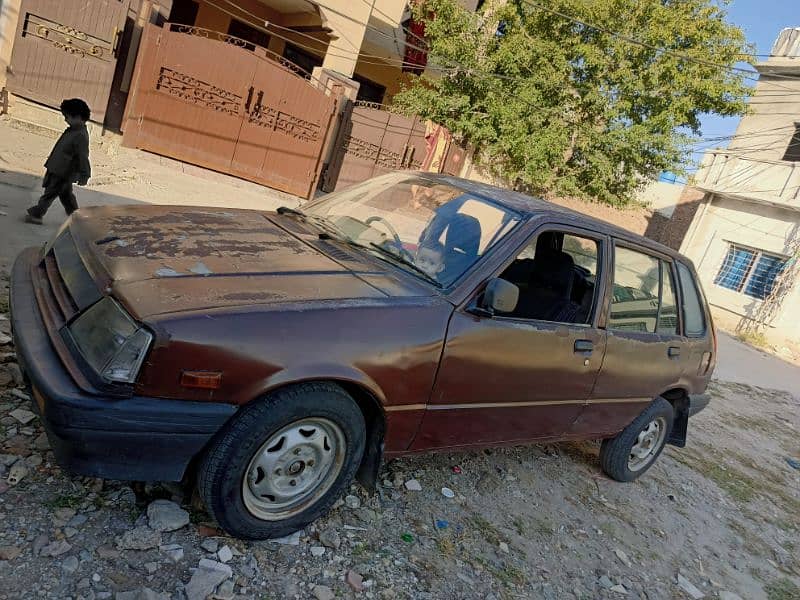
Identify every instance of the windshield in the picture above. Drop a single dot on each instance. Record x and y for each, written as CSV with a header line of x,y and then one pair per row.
x,y
434,229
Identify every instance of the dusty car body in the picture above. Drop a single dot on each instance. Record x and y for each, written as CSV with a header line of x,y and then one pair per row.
x,y
153,336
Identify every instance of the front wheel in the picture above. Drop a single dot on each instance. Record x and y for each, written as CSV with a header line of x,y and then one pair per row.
x,y
283,461
634,450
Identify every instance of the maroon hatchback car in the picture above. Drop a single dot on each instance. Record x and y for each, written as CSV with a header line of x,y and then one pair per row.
x,y
274,356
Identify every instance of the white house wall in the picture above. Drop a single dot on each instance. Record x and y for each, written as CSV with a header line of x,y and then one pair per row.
x,y
760,227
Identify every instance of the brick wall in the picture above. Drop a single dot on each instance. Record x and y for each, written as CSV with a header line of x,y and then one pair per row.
x,y
671,231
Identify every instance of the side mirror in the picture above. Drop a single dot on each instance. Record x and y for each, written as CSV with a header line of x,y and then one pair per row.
x,y
499,296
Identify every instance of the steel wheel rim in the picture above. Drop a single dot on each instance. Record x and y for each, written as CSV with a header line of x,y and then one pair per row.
x,y
647,444
293,468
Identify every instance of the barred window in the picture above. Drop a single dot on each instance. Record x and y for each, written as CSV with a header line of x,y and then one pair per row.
x,y
793,149
749,271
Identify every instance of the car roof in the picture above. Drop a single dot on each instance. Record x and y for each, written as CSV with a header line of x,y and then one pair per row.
x,y
533,207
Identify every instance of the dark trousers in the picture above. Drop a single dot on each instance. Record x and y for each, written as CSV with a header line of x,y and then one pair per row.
x,y
55,186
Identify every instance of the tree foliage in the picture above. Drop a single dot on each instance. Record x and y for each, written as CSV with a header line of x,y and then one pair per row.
x,y
558,107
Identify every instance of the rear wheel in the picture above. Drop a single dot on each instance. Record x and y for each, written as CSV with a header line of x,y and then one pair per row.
x,y
283,461
633,451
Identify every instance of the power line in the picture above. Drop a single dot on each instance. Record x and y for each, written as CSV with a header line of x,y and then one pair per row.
x,y
758,133
749,74
349,54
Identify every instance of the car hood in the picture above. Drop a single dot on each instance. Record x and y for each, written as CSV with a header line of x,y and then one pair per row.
x,y
166,259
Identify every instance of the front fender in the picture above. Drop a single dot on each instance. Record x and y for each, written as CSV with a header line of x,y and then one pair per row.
x,y
315,372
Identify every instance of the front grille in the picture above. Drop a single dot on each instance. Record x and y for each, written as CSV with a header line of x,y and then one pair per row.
x,y
58,289
58,303
76,279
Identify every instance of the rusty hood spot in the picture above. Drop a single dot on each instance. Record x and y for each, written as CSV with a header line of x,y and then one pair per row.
x,y
166,259
133,243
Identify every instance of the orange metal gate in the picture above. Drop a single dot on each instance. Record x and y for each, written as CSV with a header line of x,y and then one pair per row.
x,y
64,49
204,98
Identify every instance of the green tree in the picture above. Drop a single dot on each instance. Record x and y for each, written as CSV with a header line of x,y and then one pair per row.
x,y
563,108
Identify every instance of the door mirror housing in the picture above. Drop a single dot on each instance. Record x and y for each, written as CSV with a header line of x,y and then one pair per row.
x,y
498,296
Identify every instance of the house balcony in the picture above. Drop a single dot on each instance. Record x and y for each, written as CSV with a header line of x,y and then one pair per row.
x,y
731,174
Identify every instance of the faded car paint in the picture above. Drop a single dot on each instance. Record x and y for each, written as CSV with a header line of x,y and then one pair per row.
x,y
269,301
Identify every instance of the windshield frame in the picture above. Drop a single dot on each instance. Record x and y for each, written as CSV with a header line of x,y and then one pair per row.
x,y
398,177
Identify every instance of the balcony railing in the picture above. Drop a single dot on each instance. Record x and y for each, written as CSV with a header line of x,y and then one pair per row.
x,y
730,173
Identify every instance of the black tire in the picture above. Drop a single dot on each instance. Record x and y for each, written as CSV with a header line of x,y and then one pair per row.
x,y
615,453
222,470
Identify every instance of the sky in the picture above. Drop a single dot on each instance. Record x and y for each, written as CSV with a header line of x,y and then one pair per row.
x,y
762,21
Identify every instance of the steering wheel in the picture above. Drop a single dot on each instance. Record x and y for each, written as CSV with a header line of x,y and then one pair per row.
x,y
396,242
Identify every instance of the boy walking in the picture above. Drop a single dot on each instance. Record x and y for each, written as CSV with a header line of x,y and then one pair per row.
x,y
68,162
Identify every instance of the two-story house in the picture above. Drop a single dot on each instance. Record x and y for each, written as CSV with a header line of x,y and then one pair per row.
x,y
745,236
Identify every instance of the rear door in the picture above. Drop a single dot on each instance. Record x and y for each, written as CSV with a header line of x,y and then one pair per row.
x,y
645,353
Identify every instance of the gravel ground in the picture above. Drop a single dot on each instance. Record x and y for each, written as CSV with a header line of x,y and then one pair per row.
x,y
720,518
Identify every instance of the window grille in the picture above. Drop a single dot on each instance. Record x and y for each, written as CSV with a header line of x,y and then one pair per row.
x,y
749,271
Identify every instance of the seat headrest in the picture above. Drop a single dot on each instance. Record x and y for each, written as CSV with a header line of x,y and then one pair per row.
x,y
463,235
554,270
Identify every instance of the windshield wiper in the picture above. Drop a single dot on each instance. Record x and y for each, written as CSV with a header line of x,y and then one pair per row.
x,y
397,257
286,210
321,222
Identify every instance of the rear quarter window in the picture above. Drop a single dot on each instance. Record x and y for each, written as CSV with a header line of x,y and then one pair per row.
x,y
694,319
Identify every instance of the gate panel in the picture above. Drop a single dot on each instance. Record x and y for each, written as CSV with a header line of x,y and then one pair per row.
x,y
194,98
67,49
362,145
418,145
284,130
294,156
394,149
205,99
378,141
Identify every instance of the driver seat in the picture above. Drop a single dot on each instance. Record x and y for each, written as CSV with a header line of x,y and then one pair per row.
x,y
461,245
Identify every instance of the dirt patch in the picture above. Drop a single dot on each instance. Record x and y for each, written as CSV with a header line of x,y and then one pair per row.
x,y
536,521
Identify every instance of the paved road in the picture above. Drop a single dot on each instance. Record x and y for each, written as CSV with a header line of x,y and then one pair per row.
x,y
741,363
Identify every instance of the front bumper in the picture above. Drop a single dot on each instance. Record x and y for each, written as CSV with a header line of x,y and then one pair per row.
x,y
136,438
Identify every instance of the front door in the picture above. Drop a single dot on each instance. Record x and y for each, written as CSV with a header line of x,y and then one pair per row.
x,y
527,374
645,353
67,49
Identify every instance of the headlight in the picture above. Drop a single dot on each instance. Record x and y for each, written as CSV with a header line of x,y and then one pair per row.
x,y
110,341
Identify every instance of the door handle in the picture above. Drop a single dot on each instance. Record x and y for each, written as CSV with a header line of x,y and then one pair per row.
x,y
673,352
115,42
583,346
249,99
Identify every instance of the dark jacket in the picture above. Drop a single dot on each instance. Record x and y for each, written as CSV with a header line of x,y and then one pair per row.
x,y
69,158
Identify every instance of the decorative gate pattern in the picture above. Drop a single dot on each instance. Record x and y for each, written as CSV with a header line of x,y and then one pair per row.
x,y
375,141
203,98
65,48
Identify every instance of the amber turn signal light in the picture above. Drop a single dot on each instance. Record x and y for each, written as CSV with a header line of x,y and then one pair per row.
x,y
204,380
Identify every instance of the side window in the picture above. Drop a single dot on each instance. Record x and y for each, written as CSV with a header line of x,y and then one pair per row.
x,y
693,315
634,303
556,275
668,316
